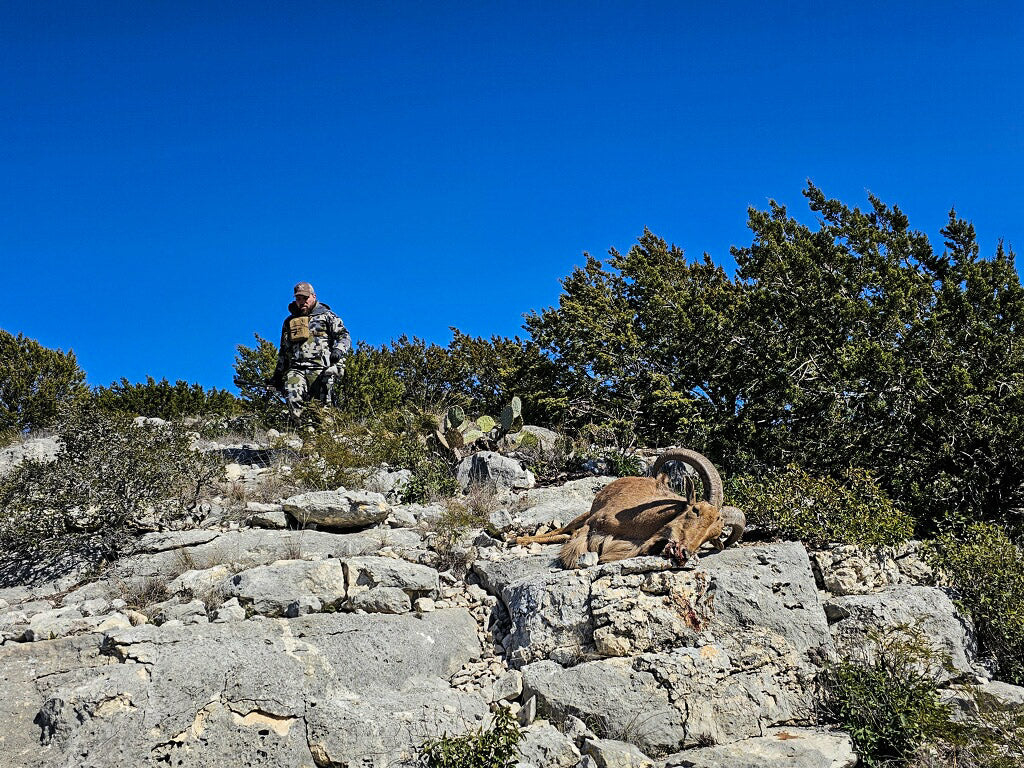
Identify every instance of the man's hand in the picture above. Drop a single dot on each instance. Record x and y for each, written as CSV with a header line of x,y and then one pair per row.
x,y
276,381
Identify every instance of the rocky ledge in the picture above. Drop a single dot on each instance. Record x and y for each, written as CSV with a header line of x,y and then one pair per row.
x,y
255,645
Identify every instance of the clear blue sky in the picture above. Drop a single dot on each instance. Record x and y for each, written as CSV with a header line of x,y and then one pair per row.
x,y
170,169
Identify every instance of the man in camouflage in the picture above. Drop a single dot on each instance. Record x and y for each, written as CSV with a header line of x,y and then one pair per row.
x,y
311,357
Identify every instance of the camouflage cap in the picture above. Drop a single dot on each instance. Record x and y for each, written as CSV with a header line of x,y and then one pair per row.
x,y
304,289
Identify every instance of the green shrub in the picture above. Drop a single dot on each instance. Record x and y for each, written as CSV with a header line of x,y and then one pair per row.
x,y
35,382
494,747
163,400
370,387
253,367
986,569
791,503
889,703
339,450
111,478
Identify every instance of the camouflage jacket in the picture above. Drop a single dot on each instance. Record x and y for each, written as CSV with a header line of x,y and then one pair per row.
x,y
329,342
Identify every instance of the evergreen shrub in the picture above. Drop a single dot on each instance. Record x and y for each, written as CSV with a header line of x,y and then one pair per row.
x,y
889,701
110,479
34,383
986,570
164,400
791,503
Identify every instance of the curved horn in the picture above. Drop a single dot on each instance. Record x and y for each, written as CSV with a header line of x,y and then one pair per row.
x,y
734,517
714,494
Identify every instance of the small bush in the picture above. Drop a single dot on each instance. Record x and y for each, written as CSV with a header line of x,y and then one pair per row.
x,y
340,450
35,382
889,704
791,503
110,478
253,367
986,569
163,400
494,747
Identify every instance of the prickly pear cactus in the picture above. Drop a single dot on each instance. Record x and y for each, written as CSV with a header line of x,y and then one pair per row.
x,y
457,433
512,416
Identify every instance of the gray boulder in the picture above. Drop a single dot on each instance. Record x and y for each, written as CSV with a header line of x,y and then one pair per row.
x,y
855,617
337,509
852,570
608,753
719,652
162,553
541,506
389,483
382,600
490,468
269,589
39,449
778,748
545,746
362,573
614,698
266,515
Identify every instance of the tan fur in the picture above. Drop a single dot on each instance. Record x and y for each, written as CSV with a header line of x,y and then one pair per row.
x,y
635,516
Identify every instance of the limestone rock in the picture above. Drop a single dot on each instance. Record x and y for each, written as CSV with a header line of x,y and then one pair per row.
x,y
490,468
161,553
788,747
545,746
366,572
230,610
266,515
199,582
539,506
612,696
348,689
853,570
270,589
382,600
389,483
854,617
337,509
191,612
40,449
608,753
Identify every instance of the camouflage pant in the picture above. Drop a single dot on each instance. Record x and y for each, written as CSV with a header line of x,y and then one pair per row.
x,y
300,386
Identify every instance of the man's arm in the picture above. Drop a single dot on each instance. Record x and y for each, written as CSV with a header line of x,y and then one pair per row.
x,y
341,341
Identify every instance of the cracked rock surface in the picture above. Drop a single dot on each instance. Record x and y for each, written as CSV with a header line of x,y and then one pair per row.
x,y
248,644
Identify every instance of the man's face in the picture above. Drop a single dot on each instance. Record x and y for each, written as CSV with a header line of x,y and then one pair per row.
x,y
305,303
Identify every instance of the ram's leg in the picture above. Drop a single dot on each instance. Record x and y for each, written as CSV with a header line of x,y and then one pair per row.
x,y
545,538
556,536
574,547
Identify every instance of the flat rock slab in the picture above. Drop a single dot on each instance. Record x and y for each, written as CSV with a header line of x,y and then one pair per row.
x,y
270,589
364,573
855,617
337,509
779,748
540,506
260,692
161,554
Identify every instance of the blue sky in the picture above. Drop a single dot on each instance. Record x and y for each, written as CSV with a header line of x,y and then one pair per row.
x,y
171,169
